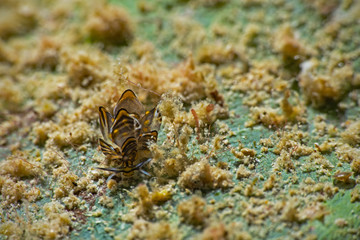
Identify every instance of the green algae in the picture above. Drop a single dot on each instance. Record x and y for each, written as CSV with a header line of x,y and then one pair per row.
x,y
305,20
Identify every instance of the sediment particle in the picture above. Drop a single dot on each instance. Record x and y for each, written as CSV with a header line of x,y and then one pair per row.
x,y
242,172
352,134
202,176
142,229
110,25
355,166
193,211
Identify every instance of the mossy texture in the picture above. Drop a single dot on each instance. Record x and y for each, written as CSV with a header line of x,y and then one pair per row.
x,y
260,105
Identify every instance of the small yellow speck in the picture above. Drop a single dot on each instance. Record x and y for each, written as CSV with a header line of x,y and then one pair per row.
x,y
111,184
97,214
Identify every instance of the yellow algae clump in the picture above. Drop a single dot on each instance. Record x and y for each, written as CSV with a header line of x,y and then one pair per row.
x,y
184,137
320,88
10,125
71,202
217,53
325,147
283,162
85,68
142,49
19,20
189,34
211,3
145,206
11,191
53,157
55,225
33,194
76,133
49,87
355,166
326,7
161,195
316,211
270,183
242,172
111,184
106,201
41,131
290,212
193,211
352,134
11,95
355,195
325,189
11,230
346,153
248,152
204,114
14,191
109,92
45,108
267,116
189,81
270,117
292,113
110,25
219,231
250,34
290,141
67,183
46,54
287,43
142,229
319,161
341,222
202,176
6,53
173,167
258,84
18,166
170,106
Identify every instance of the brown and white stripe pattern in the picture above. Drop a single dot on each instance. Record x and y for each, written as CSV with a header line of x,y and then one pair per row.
x,y
127,133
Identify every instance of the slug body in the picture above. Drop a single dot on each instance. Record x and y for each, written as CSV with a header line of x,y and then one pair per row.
x,y
127,133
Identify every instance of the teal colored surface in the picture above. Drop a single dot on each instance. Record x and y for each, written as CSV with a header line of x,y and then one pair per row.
x,y
156,27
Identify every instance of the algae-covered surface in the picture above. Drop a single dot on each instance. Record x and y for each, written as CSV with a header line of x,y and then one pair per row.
x,y
260,105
